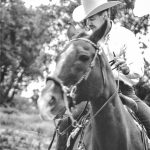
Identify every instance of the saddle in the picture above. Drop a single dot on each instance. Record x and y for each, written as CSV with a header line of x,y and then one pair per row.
x,y
132,107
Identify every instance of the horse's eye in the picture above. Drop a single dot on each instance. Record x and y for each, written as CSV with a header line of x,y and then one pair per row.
x,y
84,58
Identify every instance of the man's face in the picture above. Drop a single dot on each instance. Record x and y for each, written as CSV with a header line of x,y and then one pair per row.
x,y
96,21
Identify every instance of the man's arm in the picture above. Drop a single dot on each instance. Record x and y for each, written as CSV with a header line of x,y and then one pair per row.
x,y
132,65
134,58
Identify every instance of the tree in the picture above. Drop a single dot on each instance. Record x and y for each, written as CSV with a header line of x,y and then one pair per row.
x,y
31,38
24,31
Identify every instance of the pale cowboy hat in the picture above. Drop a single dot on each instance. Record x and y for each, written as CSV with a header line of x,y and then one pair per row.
x,y
91,7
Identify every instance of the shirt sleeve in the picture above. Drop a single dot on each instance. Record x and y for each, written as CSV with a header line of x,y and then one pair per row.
x,y
133,57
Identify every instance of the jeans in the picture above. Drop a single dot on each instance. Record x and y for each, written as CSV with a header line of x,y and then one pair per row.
x,y
143,112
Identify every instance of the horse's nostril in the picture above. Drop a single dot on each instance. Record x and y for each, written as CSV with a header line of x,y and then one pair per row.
x,y
52,100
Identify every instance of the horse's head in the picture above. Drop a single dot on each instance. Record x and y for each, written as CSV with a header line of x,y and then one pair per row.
x,y
50,102
80,69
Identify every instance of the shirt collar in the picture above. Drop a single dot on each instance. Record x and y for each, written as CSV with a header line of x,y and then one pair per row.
x,y
107,37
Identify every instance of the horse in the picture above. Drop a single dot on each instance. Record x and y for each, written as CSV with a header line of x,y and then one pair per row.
x,y
83,74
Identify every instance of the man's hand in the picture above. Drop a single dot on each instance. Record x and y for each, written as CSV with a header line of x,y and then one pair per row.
x,y
121,65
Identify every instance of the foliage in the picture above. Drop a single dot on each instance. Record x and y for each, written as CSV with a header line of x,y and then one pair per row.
x,y
139,25
24,31
32,38
22,128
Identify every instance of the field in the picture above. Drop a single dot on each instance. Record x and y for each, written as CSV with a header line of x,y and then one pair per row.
x,y
21,128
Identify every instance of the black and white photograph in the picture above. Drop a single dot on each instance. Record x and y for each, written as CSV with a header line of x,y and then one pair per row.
x,y
74,75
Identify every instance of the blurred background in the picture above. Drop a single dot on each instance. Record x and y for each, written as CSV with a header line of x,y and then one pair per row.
x,y
32,34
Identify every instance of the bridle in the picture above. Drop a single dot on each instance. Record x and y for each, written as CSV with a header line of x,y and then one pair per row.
x,y
71,91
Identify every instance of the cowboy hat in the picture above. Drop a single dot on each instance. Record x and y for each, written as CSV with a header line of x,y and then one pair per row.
x,y
91,7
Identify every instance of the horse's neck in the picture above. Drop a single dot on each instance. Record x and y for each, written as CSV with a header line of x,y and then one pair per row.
x,y
106,104
107,122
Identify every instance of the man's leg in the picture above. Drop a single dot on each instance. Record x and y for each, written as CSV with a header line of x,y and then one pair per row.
x,y
64,133
65,125
143,112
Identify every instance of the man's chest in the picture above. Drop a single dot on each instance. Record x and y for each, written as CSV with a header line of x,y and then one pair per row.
x,y
114,48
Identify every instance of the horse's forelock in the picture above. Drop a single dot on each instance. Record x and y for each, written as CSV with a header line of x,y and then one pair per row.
x,y
81,34
61,52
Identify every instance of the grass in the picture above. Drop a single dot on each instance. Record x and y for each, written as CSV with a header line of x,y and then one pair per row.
x,y
21,127
24,116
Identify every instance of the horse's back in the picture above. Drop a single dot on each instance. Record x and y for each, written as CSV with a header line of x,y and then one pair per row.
x,y
135,128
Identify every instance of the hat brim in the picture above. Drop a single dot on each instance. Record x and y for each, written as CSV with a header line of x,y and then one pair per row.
x,y
79,14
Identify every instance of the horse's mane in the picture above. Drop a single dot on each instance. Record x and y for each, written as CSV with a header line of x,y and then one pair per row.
x,y
81,34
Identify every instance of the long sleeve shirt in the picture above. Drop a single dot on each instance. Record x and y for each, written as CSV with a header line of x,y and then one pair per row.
x,y
123,43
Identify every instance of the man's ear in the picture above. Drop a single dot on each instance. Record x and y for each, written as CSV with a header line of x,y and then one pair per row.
x,y
71,32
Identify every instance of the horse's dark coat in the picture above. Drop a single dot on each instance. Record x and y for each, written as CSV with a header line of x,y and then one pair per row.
x,y
111,129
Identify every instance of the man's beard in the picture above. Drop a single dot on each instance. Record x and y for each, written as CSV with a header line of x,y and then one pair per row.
x,y
100,32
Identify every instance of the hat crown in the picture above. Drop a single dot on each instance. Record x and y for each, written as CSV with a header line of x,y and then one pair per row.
x,y
90,5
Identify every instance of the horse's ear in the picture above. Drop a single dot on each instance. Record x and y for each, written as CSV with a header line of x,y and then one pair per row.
x,y
71,32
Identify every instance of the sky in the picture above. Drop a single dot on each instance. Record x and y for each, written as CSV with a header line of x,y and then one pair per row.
x,y
141,6
35,3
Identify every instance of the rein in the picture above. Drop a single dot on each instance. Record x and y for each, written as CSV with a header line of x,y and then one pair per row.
x,y
79,118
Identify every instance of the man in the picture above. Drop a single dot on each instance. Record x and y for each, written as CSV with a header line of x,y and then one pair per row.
x,y
35,96
120,45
